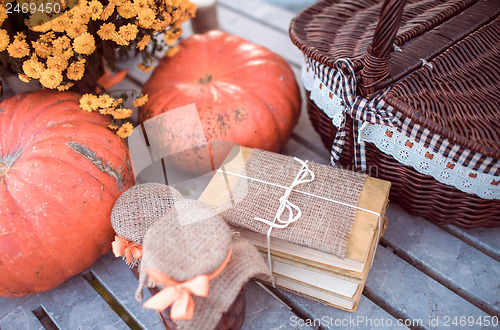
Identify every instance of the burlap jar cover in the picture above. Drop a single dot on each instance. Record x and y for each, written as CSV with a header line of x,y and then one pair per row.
x,y
134,212
189,242
325,201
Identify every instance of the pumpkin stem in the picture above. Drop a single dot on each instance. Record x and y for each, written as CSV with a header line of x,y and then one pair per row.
x,y
4,167
205,79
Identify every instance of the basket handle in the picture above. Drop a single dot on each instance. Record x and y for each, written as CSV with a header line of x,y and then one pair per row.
x,y
378,53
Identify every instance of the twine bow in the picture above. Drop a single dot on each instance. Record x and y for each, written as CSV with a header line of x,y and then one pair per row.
x,y
362,111
179,294
304,175
300,178
122,246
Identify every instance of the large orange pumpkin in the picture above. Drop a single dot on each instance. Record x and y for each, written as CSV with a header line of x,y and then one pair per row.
x,y
61,171
243,92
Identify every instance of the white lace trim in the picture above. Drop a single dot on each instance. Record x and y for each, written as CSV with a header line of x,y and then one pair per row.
x,y
404,150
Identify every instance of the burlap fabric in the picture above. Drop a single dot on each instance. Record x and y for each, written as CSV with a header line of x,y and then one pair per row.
x,y
324,225
193,240
139,207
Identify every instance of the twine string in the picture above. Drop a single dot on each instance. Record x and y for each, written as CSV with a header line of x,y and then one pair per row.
x,y
304,175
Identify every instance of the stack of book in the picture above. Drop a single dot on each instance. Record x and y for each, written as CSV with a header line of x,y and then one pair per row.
x,y
309,272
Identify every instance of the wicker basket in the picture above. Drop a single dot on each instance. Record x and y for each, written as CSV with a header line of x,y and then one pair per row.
x,y
410,93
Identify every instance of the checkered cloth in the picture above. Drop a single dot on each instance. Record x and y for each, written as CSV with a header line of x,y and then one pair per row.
x,y
342,81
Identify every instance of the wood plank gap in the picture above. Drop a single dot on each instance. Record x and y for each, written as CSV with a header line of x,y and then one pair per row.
x,y
289,304
115,305
416,324
44,318
477,244
484,306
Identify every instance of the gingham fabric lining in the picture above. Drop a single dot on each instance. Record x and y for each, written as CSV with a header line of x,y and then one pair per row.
x,y
331,90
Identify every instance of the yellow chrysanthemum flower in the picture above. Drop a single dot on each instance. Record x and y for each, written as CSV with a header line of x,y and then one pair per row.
x,y
143,4
144,68
61,23
51,78
146,18
24,77
47,37
33,68
4,40
76,70
122,113
119,2
76,29
87,102
108,11
128,32
106,111
144,42
82,13
159,25
117,102
84,44
62,47
140,101
191,9
18,48
65,87
125,130
172,51
112,126
62,43
127,10
96,9
3,14
104,101
172,36
106,31
57,63
42,49
119,39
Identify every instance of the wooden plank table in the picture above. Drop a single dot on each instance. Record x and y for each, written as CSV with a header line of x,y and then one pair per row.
x,y
423,276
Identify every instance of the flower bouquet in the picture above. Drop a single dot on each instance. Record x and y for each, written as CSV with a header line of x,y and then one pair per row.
x,y
69,44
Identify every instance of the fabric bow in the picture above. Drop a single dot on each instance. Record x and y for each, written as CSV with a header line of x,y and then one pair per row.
x,y
122,246
179,294
362,111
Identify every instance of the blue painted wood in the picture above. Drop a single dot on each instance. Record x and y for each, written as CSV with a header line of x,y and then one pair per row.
x,y
410,286
265,13
116,277
74,304
451,261
483,239
397,285
21,318
265,312
7,305
368,314
247,28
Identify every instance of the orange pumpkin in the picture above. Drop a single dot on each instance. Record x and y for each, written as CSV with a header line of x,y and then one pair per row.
x,y
243,92
61,170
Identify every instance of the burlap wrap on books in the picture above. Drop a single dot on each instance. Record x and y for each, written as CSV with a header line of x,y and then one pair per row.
x,y
324,225
139,207
191,240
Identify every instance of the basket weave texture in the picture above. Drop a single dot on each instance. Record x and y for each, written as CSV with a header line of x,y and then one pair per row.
x,y
455,95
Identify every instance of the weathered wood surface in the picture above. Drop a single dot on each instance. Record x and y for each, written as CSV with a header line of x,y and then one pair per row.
x,y
421,273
